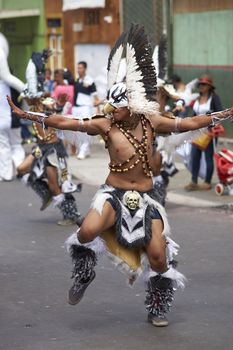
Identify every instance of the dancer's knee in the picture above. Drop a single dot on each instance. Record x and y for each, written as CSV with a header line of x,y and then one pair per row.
x,y
158,262
86,233
54,188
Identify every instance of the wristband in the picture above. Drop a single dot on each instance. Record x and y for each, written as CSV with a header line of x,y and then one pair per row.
x,y
177,124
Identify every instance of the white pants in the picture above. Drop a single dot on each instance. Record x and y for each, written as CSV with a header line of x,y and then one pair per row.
x,y
84,140
11,152
184,152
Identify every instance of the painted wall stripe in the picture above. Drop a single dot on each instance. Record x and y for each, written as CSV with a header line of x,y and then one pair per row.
x,y
199,66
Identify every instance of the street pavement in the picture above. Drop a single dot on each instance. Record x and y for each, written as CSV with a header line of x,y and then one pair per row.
x,y
35,278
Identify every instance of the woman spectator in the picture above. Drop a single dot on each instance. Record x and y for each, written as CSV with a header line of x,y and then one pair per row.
x,y
63,85
63,93
207,102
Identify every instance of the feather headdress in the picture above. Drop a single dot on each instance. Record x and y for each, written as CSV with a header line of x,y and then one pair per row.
x,y
160,58
35,74
132,53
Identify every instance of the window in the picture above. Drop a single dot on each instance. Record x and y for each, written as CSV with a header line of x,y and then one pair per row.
x,y
54,22
92,17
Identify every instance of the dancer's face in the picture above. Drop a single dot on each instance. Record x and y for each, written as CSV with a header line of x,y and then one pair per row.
x,y
120,114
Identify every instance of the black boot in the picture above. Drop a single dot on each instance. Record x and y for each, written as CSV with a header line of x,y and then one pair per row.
x,y
69,211
84,261
159,299
42,190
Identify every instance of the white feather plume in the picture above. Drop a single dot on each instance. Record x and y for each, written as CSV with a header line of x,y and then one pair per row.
x,y
122,70
114,66
170,143
156,57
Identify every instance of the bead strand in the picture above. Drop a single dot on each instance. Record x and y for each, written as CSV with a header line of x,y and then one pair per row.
x,y
47,138
140,147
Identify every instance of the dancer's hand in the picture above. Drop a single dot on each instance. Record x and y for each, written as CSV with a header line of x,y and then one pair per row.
x,y
217,117
227,113
16,110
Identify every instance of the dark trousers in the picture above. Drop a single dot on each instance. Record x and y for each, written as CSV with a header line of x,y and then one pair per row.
x,y
196,158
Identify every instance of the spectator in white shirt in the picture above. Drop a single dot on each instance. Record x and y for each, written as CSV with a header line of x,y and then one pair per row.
x,y
85,98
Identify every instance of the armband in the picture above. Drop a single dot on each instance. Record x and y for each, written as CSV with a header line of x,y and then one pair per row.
x,y
177,124
40,117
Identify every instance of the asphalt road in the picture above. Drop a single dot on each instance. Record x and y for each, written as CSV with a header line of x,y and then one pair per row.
x,y
35,277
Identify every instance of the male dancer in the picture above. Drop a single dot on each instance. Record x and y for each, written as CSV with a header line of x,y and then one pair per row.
x,y
128,201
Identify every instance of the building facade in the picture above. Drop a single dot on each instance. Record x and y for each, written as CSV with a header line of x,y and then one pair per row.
x,y
89,34
199,34
85,32
22,22
202,42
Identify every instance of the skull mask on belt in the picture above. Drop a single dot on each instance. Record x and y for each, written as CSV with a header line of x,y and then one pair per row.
x,y
132,199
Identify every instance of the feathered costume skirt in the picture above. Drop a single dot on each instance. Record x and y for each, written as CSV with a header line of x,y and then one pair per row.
x,y
124,243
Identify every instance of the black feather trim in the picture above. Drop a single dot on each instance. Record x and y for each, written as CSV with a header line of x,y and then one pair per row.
x,y
69,208
84,261
143,54
160,295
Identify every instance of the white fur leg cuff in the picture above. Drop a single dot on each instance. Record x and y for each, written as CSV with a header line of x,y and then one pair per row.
x,y
178,278
97,245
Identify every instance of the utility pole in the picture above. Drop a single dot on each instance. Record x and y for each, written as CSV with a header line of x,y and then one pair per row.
x,y
168,30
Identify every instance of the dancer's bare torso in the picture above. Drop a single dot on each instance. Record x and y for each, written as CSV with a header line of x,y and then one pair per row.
x,y
120,149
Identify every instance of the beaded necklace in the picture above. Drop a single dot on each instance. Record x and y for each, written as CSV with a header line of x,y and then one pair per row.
x,y
131,124
46,138
140,149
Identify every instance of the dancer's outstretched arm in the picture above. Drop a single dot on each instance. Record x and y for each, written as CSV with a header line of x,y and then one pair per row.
x,y
167,125
92,126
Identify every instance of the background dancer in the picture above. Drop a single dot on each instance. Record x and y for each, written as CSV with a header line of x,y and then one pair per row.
x,y
47,166
47,175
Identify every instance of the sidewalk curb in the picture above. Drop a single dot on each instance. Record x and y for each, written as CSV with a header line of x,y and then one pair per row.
x,y
225,139
226,207
193,202
189,201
